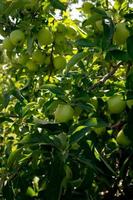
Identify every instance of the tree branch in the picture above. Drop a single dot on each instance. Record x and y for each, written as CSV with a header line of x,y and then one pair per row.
x,y
106,77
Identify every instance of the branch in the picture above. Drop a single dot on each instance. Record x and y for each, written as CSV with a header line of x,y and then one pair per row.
x,y
106,77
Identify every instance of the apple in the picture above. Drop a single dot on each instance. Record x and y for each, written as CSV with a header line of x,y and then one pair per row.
x,y
116,104
59,62
32,66
45,36
99,130
38,57
86,7
22,59
47,60
7,44
63,113
121,34
61,28
59,38
63,139
17,37
71,32
130,103
29,4
99,25
122,139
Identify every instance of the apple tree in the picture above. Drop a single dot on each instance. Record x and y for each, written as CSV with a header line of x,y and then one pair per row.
x,y
66,100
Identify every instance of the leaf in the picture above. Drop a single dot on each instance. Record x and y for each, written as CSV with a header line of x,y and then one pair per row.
x,y
75,59
88,179
128,131
106,163
16,93
129,81
8,190
130,46
124,167
5,118
117,55
129,16
99,11
43,122
84,43
13,6
36,139
30,192
14,157
53,88
57,4
56,175
108,33
5,99
78,134
90,164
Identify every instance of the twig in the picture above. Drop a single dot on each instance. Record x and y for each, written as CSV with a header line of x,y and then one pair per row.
x,y
106,77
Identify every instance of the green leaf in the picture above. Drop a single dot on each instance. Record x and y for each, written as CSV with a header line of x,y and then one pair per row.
x,y
117,55
16,93
75,59
78,134
14,157
84,43
89,163
108,33
53,88
30,192
106,163
36,138
130,46
129,81
128,131
99,11
8,190
56,175
129,16
58,5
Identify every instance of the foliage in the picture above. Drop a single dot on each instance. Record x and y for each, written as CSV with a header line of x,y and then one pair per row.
x,y
42,158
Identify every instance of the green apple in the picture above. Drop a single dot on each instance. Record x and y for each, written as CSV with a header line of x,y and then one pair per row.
x,y
17,37
47,60
61,28
38,57
63,139
116,104
122,139
86,7
7,44
59,62
99,130
63,113
59,38
22,59
29,4
71,32
121,34
45,36
99,25
130,103
32,66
